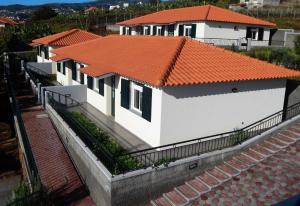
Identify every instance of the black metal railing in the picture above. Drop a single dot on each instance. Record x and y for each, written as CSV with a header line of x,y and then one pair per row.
x,y
167,153
59,102
30,161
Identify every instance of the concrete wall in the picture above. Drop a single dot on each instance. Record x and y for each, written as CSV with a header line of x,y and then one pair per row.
x,y
196,111
94,174
126,189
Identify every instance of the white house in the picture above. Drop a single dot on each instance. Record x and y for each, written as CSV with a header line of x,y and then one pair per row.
x,y
209,24
260,3
46,44
4,22
170,89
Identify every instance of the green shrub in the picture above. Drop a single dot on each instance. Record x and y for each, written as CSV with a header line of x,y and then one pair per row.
x,y
123,163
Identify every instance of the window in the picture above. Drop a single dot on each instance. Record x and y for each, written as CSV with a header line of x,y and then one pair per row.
x,y
171,29
90,82
81,78
101,86
254,34
46,52
39,50
187,30
58,65
64,68
74,70
137,95
128,31
147,30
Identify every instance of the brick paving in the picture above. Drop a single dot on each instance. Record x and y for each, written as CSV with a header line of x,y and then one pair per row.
x,y
262,175
54,165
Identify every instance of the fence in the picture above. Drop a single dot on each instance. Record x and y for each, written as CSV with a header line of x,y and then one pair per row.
x,y
30,162
171,152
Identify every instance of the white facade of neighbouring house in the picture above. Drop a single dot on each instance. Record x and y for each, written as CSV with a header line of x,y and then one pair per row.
x,y
221,32
184,112
217,33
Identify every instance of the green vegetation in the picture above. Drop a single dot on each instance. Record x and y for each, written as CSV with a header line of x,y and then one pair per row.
x,y
284,56
39,195
102,141
43,13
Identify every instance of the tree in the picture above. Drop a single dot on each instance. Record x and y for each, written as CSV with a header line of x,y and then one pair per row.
x,y
44,12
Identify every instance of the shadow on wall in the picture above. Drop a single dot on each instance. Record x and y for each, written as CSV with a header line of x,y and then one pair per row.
x,y
189,91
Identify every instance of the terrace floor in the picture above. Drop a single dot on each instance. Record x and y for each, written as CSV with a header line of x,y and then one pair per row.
x,y
124,137
265,174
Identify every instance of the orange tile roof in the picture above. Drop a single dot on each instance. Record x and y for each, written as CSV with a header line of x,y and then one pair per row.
x,y
168,61
93,8
65,38
7,21
197,13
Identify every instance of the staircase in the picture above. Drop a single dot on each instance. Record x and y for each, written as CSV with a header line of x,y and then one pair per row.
x,y
229,169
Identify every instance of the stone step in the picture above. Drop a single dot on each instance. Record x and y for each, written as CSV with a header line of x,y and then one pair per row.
x,y
230,171
272,148
289,134
220,176
161,201
277,143
262,151
254,155
285,139
198,186
187,192
295,131
209,180
243,158
240,166
175,198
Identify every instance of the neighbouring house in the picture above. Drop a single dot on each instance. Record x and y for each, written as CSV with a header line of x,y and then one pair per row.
x,y
285,38
209,24
171,89
4,22
91,9
259,3
46,44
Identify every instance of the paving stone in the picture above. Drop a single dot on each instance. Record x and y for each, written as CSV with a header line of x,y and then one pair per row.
x,y
272,148
289,134
187,192
238,165
199,186
261,150
161,201
227,169
175,198
284,138
277,143
222,177
247,160
209,180
254,155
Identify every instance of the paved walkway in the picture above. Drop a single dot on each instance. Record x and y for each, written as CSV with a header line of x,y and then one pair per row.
x,y
54,165
262,175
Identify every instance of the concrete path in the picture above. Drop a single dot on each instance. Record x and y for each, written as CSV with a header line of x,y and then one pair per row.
x,y
262,175
55,167
124,137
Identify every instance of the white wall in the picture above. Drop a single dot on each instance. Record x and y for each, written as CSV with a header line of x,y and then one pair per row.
x,y
149,132
190,112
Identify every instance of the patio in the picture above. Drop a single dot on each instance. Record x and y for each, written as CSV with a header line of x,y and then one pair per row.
x,y
125,138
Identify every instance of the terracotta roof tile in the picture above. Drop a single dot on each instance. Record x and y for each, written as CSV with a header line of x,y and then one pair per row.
x,y
65,38
168,61
7,21
197,13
